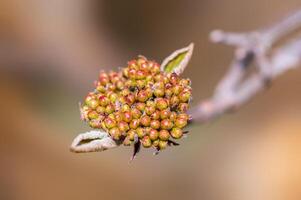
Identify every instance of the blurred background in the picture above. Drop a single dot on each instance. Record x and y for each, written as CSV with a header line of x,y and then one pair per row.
x,y
52,51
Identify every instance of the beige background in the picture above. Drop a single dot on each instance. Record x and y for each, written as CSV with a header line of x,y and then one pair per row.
x,y
50,53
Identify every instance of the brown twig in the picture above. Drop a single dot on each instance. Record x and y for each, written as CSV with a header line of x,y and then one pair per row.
x,y
235,89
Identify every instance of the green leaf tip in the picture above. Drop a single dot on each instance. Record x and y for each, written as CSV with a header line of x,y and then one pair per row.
x,y
178,60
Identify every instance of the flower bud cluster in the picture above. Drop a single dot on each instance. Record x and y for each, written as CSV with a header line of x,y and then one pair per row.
x,y
139,101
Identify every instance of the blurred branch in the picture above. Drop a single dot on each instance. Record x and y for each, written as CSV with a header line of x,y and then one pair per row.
x,y
237,86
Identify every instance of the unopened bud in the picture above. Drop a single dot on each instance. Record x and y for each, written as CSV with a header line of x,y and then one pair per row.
x,y
153,134
145,120
146,142
110,123
161,104
180,122
162,144
155,124
134,124
176,133
93,114
123,126
115,133
127,116
166,124
164,135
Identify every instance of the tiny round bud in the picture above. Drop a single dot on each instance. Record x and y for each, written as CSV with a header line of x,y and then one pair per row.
x,y
104,80
118,116
113,97
140,132
180,122
134,124
165,79
162,144
144,66
94,124
183,116
131,134
155,115
174,101
132,73
130,99
173,116
183,107
125,92
113,77
127,116
184,96
168,92
101,109
125,108
112,116
155,124
140,106
166,124
146,142
132,64
141,83
149,78
150,110
164,135
156,68
111,87
115,133
150,103
159,85
123,126
145,120
92,103
136,113
177,89
158,77
110,109
140,74
174,78
164,114
110,123
159,92
176,133
121,99
153,134
161,104
141,60
142,96
103,100
100,88
184,82
102,74
149,92
156,143
93,114
119,85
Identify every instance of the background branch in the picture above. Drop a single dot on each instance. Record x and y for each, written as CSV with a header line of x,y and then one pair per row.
x,y
237,86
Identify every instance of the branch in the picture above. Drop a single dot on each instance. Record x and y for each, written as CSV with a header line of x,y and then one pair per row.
x,y
235,89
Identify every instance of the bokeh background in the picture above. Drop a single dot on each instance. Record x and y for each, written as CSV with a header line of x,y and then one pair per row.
x,y
52,51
